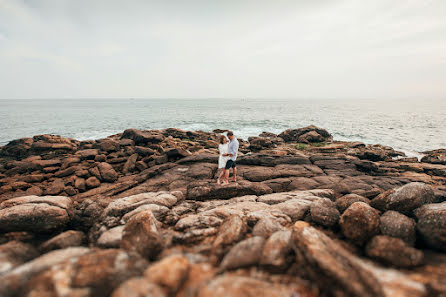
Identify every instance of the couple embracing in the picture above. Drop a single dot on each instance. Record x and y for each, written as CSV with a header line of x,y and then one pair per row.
x,y
228,155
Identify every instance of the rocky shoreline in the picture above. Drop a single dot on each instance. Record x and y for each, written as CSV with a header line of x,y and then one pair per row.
x,y
140,214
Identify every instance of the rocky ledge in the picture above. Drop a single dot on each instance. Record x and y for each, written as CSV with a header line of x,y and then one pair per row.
x,y
140,214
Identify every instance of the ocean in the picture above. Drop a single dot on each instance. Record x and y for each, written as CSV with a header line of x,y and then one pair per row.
x,y
407,125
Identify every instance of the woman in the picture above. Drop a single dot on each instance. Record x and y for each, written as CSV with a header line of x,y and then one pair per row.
x,y
223,149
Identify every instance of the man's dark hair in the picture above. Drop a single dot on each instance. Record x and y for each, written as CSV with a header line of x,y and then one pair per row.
x,y
230,133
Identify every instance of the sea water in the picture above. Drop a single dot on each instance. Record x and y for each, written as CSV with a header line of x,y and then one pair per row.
x,y
407,125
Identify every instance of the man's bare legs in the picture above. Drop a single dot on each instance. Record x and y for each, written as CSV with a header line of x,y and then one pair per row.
x,y
226,178
234,174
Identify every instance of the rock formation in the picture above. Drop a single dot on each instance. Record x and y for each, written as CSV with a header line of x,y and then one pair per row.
x,y
140,214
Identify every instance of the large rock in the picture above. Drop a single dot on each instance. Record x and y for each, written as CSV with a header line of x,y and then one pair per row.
x,y
108,174
15,253
309,133
340,273
141,234
170,272
324,212
64,240
266,226
246,253
432,224
142,137
397,225
95,274
406,198
18,148
138,287
206,191
36,214
393,251
277,249
14,280
345,201
360,222
241,286
232,230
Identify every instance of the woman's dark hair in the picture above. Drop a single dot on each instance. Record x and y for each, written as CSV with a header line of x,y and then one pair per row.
x,y
221,139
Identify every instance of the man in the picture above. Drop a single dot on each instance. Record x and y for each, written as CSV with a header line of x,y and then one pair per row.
x,y
232,153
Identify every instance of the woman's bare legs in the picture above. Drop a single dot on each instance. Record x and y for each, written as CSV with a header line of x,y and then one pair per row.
x,y
222,174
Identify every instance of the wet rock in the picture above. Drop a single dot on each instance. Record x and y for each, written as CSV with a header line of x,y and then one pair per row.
x,y
111,238
397,225
337,271
15,253
360,222
33,213
324,212
92,182
393,251
266,226
276,249
345,201
95,274
245,253
432,224
138,287
141,234
14,280
170,272
108,174
64,240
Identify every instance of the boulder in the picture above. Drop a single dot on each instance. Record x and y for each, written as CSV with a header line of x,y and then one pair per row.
x,y
63,240
141,234
92,182
231,231
245,253
129,166
142,137
35,214
292,135
111,238
169,273
397,225
393,251
345,201
18,148
14,281
88,154
143,151
360,222
55,188
108,174
95,274
324,212
340,273
432,225
266,226
138,287
15,253
277,249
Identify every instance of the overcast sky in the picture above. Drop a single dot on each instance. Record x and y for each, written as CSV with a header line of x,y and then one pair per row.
x,y
231,48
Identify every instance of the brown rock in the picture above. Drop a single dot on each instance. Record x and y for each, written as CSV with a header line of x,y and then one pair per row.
x,y
55,187
15,253
88,154
245,253
276,249
393,251
266,226
129,166
345,201
34,191
141,234
108,174
170,272
63,240
324,212
142,137
360,222
80,184
92,182
397,225
232,230
432,224
138,287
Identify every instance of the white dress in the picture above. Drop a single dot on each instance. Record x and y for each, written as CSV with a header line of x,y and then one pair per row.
x,y
223,148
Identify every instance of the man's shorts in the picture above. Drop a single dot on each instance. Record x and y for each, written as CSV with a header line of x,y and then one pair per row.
x,y
230,164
